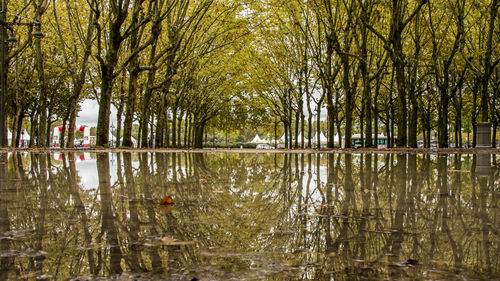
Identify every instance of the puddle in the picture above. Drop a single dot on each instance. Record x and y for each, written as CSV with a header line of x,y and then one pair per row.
x,y
229,216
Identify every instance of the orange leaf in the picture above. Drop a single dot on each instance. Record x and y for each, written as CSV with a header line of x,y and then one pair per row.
x,y
166,208
167,200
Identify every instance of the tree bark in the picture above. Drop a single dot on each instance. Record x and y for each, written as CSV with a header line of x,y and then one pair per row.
x,y
42,130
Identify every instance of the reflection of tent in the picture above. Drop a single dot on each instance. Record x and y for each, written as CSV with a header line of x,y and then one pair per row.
x,y
257,139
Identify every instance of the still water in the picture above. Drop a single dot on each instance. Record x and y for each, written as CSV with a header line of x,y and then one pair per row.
x,y
228,216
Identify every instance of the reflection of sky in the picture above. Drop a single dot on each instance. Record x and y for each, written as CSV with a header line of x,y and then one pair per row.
x,y
86,168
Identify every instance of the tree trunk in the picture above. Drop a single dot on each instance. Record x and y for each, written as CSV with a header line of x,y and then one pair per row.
x,y
174,126
105,104
297,122
198,135
131,103
20,132
179,129
15,127
443,120
108,65
309,124
42,130
403,110
412,128
494,135
186,131
348,116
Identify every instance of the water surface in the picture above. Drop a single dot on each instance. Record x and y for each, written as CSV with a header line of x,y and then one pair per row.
x,y
228,216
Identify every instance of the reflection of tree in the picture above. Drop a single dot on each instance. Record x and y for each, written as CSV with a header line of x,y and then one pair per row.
x,y
109,227
40,226
316,216
5,262
80,208
147,182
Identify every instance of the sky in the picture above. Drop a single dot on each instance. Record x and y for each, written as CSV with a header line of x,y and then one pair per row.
x,y
90,111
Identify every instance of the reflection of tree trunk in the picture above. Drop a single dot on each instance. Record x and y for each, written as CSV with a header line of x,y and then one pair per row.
x,y
412,200
395,239
366,180
40,225
330,182
146,175
108,223
5,262
347,204
443,205
133,257
80,207
483,215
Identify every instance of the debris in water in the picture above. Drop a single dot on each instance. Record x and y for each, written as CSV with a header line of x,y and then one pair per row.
x,y
173,242
407,263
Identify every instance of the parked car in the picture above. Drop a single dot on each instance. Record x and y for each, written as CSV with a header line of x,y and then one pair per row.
x,y
264,146
78,143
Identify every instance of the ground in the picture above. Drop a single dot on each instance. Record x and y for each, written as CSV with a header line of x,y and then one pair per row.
x,y
238,150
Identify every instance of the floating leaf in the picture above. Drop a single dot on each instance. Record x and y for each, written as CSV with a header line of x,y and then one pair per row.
x,y
202,179
166,208
167,200
408,262
218,191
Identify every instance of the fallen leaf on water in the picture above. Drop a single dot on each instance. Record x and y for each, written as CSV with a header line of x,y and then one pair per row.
x,y
167,200
218,191
166,208
173,242
408,263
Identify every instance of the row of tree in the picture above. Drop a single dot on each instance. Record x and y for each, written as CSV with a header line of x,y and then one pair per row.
x,y
413,67
158,62
179,68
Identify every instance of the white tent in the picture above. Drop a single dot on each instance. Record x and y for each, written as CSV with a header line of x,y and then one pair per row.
x,y
282,139
25,137
335,138
257,139
299,138
322,138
